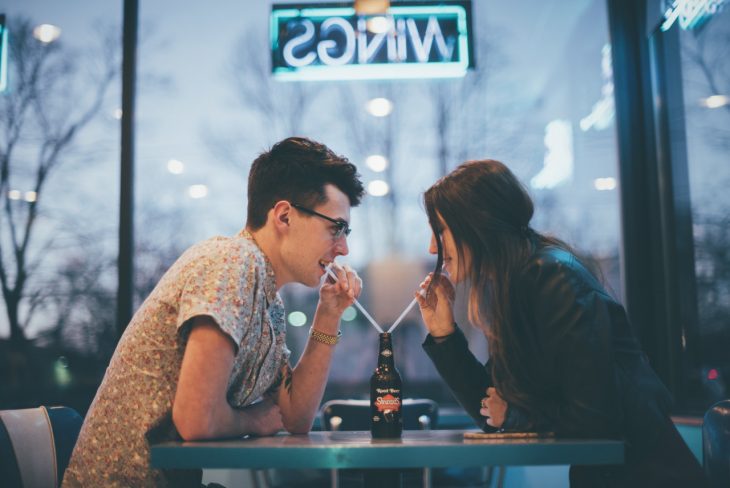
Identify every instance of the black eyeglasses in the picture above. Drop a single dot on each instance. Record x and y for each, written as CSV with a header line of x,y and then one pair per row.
x,y
341,226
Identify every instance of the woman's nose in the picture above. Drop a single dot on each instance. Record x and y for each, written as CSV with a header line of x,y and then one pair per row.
x,y
433,247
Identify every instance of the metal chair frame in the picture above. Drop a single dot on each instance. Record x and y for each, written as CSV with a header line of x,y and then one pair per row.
x,y
716,443
36,444
417,413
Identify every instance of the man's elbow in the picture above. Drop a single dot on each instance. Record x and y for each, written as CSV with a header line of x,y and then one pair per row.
x,y
298,427
192,427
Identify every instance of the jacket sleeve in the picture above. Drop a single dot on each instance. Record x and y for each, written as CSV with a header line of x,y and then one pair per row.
x,y
467,378
570,316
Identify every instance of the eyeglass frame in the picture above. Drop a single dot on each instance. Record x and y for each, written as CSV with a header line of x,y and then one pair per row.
x,y
343,227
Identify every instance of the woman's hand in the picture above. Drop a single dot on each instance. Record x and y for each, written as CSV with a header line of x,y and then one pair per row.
x,y
437,309
494,408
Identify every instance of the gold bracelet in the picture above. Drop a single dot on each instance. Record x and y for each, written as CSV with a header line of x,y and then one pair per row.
x,y
325,338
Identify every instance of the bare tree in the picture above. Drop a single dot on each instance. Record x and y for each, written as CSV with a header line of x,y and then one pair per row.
x,y
41,117
82,298
366,136
707,73
280,109
82,301
706,52
465,110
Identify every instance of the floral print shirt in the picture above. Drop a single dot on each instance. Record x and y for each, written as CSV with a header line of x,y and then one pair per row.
x,y
227,278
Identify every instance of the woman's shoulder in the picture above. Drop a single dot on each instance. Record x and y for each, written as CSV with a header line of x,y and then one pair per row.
x,y
551,259
552,264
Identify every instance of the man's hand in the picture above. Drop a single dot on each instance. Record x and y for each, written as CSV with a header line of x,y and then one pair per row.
x,y
437,309
335,297
494,408
264,418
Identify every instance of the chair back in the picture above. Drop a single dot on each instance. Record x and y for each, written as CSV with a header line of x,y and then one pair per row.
x,y
36,445
716,443
417,413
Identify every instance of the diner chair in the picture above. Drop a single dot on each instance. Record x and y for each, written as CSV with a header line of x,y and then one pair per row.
x,y
36,445
417,414
716,444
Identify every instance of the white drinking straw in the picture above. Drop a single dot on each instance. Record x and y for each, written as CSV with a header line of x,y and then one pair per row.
x,y
405,312
357,304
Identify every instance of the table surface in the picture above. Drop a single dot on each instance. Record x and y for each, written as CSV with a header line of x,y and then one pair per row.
x,y
356,449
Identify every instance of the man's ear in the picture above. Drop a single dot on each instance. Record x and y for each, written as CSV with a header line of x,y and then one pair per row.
x,y
281,213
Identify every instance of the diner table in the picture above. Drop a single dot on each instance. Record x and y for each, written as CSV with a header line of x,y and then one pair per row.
x,y
356,449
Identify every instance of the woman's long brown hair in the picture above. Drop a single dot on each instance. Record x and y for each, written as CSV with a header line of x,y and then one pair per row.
x,y
488,212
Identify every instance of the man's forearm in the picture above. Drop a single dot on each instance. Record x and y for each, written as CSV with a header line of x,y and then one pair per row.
x,y
200,409
211,422
302,389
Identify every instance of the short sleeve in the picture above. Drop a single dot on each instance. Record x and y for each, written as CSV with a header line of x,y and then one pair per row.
x,y
278,321
222,286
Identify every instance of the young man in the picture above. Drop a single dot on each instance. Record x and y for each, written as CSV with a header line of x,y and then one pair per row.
x,y
205,355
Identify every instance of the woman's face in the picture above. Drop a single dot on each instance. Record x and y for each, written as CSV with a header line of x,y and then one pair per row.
x,y
455,269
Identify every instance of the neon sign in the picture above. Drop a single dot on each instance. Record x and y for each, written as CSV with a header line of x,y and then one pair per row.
x,y
690,14
3,54
421,40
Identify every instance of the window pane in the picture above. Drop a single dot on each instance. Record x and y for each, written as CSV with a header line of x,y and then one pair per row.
x,y
706,84
59,146
540,99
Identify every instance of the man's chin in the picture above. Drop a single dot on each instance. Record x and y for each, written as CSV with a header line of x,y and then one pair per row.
x,y
314,281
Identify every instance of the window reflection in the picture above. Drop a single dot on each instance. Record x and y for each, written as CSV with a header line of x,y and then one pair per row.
x,y
706,84
540,98
57,237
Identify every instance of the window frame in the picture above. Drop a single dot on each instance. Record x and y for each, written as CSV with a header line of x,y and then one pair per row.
x,y
657,244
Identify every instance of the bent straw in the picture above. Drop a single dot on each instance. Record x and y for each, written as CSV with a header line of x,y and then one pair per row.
x,y
405,312
357,304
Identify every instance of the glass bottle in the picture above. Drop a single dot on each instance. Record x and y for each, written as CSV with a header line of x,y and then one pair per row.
x,y
386,421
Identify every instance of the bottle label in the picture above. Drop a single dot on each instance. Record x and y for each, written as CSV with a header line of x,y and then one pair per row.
x,y
387,403
386,352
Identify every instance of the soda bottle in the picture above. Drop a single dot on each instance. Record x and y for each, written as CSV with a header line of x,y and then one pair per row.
x,y
385,394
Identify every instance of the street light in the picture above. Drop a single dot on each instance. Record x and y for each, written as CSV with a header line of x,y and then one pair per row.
x,y
371,7
379,107
46,33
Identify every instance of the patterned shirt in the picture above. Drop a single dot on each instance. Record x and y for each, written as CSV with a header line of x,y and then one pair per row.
x,y
227,278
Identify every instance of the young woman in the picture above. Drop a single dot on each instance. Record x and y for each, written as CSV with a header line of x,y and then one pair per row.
x,y
563,357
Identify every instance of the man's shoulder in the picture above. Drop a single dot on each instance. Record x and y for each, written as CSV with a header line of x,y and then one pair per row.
x,y
225,247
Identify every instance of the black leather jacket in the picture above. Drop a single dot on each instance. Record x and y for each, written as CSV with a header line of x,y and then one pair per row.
x,y
593,378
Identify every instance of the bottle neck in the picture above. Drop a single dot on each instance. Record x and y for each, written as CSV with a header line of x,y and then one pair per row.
x,y
385,354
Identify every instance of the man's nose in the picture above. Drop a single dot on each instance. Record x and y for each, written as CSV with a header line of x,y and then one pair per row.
x,y
341,248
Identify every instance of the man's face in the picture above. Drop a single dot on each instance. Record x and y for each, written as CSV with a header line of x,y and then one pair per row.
x,y
314,242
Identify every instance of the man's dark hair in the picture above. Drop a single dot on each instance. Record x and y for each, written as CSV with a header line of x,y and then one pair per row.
x,y
297,169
